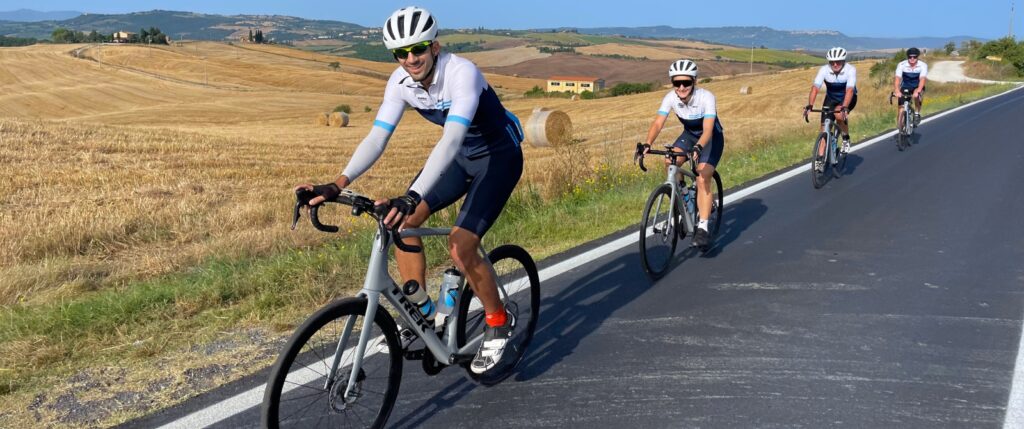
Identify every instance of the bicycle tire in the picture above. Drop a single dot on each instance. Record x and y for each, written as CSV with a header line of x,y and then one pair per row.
x,y
818,178
717,205
658,248
838,155
901,134
295,396
517,274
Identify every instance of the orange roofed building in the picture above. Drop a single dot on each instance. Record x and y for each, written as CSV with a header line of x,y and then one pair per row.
x,y
574,84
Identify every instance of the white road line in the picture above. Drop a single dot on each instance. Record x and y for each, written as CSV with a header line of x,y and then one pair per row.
x,y
253,397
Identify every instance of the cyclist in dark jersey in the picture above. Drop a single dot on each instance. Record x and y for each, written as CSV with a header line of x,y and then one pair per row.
x,y
478,155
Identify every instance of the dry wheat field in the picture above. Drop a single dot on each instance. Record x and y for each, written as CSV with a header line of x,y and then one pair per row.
x,y
127,161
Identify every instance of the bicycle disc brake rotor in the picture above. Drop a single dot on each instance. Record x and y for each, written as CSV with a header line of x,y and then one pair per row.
x,y
337,399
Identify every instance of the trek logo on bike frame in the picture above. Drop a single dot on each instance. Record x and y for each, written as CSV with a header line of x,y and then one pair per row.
x,y
411,309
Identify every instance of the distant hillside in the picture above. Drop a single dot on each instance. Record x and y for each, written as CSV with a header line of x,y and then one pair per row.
x,y
185,25
776,39
28,15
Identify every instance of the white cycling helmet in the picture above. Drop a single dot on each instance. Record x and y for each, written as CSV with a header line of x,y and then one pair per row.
x,y
683,68
407,26
836,54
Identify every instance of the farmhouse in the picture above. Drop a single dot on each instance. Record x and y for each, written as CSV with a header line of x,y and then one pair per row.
x,y
123,37
575,84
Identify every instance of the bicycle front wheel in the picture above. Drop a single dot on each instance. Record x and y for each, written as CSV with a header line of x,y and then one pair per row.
x,y
658,232
519,289
302,392
902,136
819,158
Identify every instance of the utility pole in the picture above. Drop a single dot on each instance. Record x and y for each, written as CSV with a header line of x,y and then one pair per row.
x,y
1011,19
751,57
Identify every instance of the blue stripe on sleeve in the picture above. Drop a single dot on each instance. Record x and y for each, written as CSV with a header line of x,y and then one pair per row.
x,y
710,115
390,128
662,113
459,119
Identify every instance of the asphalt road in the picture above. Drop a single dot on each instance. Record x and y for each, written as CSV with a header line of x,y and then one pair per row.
x,y
892,297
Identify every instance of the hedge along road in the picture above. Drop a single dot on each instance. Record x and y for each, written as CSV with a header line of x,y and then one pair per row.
x,y
891,297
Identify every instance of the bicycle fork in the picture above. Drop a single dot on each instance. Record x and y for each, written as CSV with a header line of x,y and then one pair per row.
x,y
675,201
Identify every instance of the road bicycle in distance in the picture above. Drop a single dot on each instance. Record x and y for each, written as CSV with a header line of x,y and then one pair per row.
x,y
906,121
671,211
827,155
343,366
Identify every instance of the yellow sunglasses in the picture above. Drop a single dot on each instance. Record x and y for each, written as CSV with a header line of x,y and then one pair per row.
x,y
417,50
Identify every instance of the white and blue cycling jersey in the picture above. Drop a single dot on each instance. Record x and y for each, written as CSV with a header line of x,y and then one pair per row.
x,y
692,114
837,83
458,99
911,75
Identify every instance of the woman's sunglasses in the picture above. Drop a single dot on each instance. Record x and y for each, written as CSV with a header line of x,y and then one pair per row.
x,y
417,50
685,83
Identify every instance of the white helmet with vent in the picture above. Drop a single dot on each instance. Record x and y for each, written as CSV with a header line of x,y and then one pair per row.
x,y
408,26
836,54
683,68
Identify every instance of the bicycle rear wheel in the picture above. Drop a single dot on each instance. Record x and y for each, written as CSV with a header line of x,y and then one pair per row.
x,y
717,205
519,287
301,393
819,163
658,232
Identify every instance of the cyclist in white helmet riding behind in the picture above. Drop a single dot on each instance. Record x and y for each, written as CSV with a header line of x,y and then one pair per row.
x,y
702,135
840,80
478,156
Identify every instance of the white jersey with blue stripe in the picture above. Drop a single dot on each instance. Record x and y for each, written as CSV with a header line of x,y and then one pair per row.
x,y
837,83
691,114
458,99
911,75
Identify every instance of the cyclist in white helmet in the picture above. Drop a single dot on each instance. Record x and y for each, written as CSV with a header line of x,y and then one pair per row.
x,y
840,80
702,135
478,156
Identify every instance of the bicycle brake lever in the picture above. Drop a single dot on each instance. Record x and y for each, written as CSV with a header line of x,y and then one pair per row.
x,y
296,214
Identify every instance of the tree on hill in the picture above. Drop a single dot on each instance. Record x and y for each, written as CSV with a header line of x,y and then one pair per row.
x,y
1007,49
949,48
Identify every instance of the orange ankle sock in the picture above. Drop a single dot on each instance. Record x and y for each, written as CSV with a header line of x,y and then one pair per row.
x,y
496,319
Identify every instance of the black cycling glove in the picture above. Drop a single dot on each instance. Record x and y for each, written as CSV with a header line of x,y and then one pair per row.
x,y
329,191
696,151
406,204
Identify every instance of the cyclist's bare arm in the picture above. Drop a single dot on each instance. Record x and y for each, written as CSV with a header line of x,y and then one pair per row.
x,y
656,127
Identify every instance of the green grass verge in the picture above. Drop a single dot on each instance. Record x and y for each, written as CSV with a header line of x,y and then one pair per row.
x,y
277,291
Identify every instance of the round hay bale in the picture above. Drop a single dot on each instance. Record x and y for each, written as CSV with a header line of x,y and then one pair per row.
x,y
321,119
548,128
338,119
574,97
746,90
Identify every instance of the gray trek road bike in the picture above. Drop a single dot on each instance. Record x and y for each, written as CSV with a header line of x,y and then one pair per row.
x,y
671,211
905,122
826,155
343,366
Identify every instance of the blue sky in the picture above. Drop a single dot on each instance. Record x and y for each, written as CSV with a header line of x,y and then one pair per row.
x,y
873,18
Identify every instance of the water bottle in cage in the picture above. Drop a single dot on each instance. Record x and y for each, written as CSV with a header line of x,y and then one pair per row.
x,y
450,287
691,200
419,297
